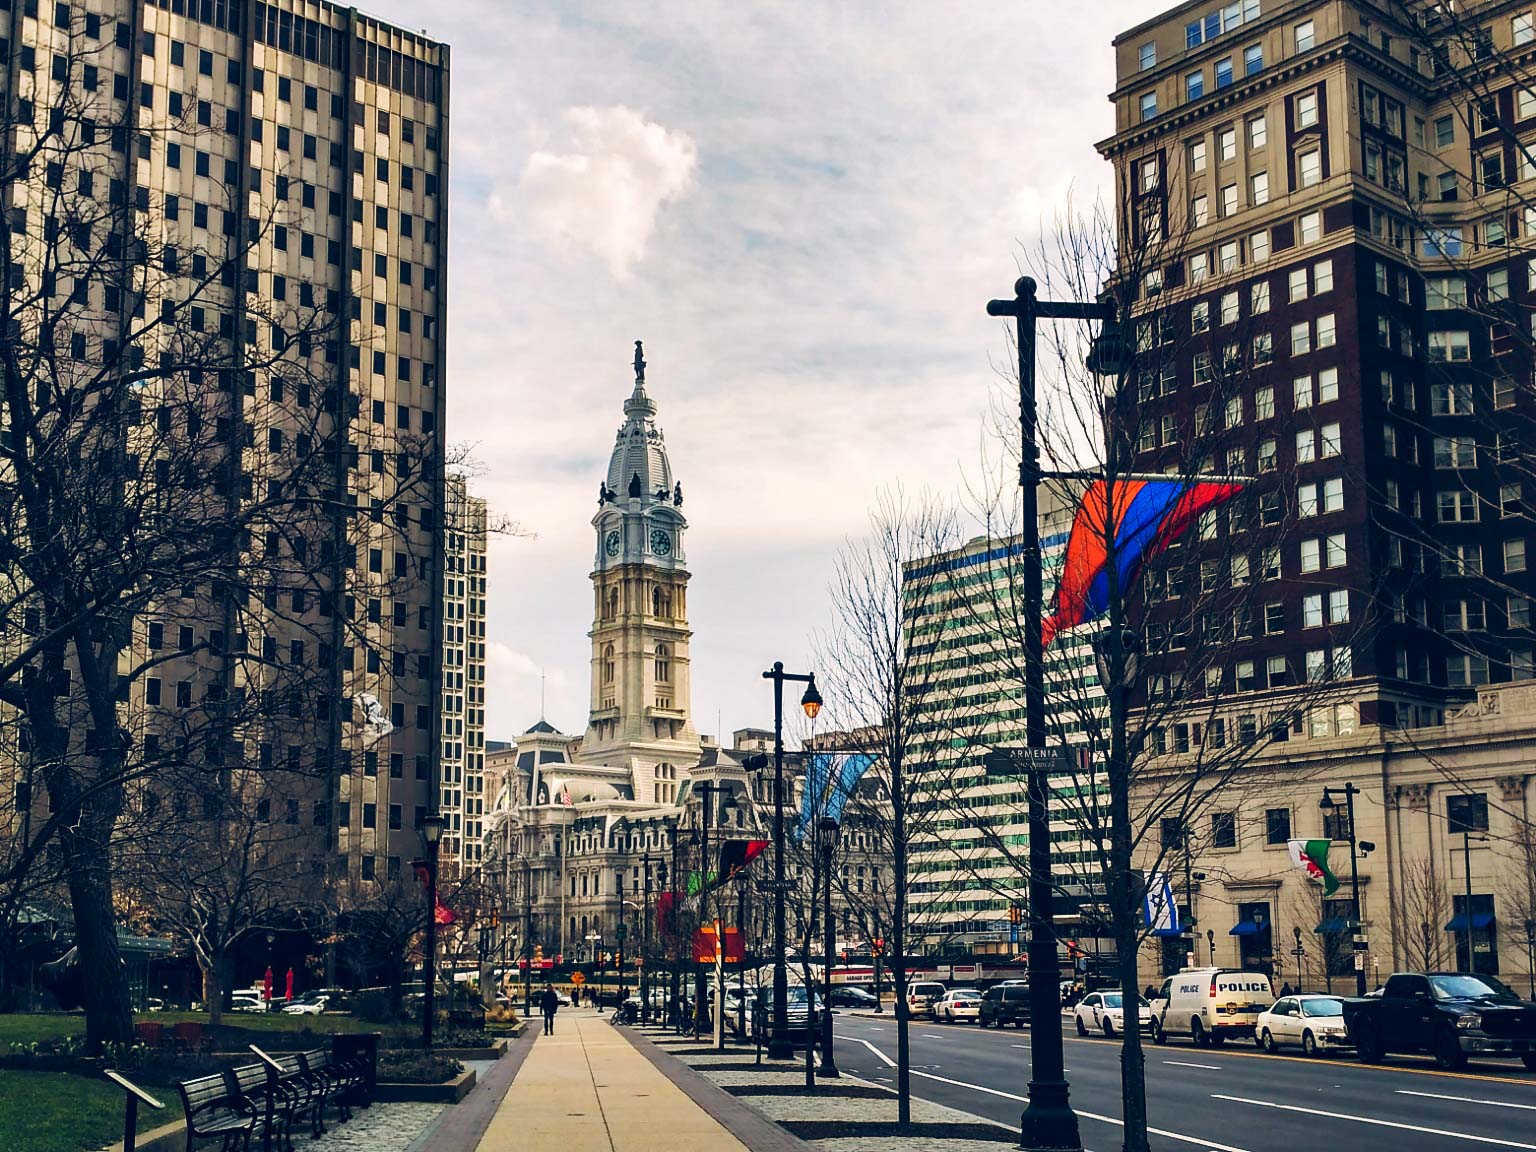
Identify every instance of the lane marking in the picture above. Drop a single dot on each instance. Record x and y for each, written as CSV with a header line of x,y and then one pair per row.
x,y
1468,1100
1187,1064
889,1063
1378,1123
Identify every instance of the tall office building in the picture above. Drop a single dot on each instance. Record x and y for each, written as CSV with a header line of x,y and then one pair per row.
x,y
1322,184
970,832
259,190
462,791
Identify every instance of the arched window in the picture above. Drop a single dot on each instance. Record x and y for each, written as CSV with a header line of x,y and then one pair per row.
x,y
661,603
573,926
608,664
611,606
663,664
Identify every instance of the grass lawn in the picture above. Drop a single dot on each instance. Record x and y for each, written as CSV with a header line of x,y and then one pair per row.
x,y
26,1027
58,1112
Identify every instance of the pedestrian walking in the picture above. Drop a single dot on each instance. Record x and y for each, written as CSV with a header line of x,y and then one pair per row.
x,y
550,1003
1285,989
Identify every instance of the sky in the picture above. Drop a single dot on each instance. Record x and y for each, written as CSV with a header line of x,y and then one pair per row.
x,y
802,210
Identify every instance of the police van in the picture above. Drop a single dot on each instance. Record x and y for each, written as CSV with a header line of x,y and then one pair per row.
x,y
1210,1004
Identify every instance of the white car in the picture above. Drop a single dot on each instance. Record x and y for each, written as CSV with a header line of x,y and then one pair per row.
x,y
958,1005
310,1005
1105,1012
1316,1023
247,1004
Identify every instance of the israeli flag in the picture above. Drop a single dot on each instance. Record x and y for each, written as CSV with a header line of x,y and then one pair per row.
x,y
1162,914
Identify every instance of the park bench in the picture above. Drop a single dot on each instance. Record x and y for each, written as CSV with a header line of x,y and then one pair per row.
x,y
309,1094
262,1094
213,1115
343,1082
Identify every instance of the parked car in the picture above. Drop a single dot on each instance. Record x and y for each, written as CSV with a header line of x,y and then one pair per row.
x,y
1450,1015
958,1005
154,1004
247,1004
1004,1004
922,995
800,1017
309,1004
1315,1023
849,996
1105,1012
1210,1005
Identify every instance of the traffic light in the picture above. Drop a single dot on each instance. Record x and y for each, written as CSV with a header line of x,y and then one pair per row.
x,y
1015,914
495,919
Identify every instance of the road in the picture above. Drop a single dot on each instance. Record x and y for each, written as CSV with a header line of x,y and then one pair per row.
x,y
1229,1099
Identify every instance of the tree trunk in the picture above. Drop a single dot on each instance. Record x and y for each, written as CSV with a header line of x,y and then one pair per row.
x,y
899,937
213,991
108,1017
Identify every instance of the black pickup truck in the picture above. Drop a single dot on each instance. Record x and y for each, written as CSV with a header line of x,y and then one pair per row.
x,y
1450,1015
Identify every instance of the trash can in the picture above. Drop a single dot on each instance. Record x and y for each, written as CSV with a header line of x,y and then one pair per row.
x,y
363,1046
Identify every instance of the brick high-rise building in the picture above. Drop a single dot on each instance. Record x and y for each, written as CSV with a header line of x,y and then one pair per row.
x,y
1325,188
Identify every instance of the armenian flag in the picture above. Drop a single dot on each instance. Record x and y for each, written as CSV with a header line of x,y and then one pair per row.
x,y
1147,516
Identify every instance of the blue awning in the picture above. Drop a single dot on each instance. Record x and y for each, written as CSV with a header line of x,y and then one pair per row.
x,y
1480,922
1333,924
1246,928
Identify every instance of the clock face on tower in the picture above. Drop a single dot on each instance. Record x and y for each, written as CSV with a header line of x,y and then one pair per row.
x,y
611,543
661,542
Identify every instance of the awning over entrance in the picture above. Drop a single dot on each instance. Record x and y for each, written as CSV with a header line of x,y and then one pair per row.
x,y
1480,922
1246,928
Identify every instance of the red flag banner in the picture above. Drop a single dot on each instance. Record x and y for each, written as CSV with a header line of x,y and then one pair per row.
x,y
443,914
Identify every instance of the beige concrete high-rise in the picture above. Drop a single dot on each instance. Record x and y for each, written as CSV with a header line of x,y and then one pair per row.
x,y
462,793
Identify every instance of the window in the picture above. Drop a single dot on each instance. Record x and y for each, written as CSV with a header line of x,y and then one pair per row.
x,y
1338,606
1194,85
1306,446
1306,110
1509,500
1149,179
1199,267
1463,615
1229,308
1146,55
1334,551
1498,284
1200,316
1444,292
1224,72
1228,200
1304,35
1253,59
1197,156
1522,29
1327,382
1309,168
1449,347
1514,555
1199,212
1258,246
1311,555
1332,441
1311,227
1226,144
1445,131
1306,500
1258,132
1301,338
1518,611
1465,670
1258,188
1322,277
1326,337
1264,404
1223,829
1227,253
1148,105
1297,281
1462,560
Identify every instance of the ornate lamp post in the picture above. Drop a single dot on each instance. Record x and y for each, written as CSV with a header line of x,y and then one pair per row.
x,y
778,1044
1329,807
827,831
432,833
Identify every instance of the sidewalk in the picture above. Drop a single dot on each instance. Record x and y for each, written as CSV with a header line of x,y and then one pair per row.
x,y
588,1089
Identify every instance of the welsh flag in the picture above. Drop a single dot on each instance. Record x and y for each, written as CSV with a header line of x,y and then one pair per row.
x,y
1313,856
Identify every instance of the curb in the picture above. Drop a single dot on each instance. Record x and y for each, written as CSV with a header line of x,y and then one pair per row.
x,y
451,1092
741,1120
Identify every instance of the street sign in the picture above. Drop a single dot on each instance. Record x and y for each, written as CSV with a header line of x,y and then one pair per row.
x,y
578,979
1298,951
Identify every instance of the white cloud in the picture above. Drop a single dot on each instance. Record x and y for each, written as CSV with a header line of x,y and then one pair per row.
x,y
603,194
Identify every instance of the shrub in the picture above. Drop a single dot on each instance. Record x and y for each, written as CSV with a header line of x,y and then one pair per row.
x,y
407,1067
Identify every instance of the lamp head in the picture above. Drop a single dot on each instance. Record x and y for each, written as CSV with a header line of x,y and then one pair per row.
x,y
1108,355
1326,803
432,828
811,701
827,831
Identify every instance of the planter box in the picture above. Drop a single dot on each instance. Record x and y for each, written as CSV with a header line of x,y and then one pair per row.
x,y
493,1051
450,1092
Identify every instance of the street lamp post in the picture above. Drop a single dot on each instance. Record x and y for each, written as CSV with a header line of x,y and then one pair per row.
x,y
623,931
1530,954
676,1003
779,1047
1048,1121
1357,935
645,939
741,963
1298,952
527,937
432,833
827,833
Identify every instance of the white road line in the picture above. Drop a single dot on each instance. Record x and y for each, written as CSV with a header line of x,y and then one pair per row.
x,y
1187,1064
1023,1046
889,1063
1379,1123
1203,1143
1468,1100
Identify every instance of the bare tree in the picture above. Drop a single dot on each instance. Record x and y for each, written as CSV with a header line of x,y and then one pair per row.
x,y
1422,907
879,680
